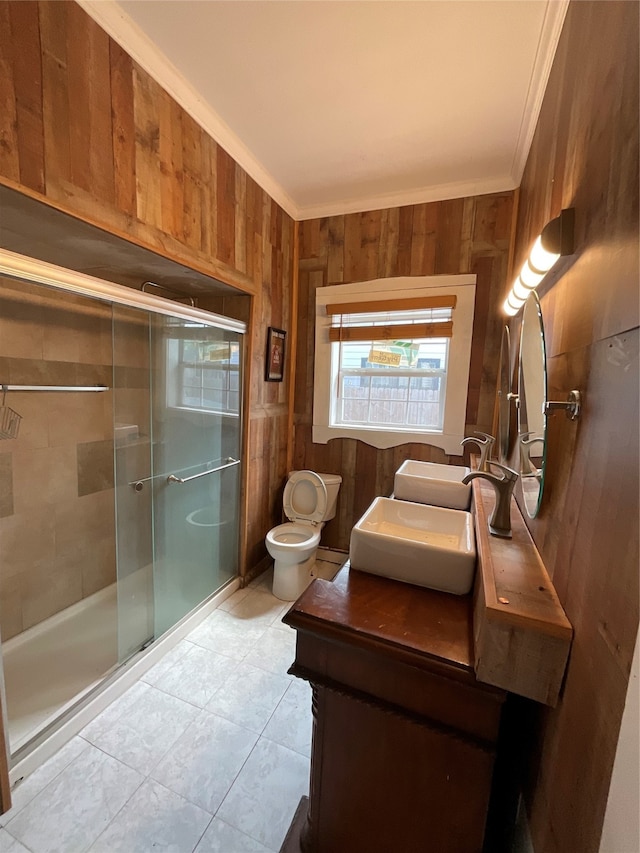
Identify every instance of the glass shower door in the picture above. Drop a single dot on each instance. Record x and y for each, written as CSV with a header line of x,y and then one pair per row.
x,y
121,505
196,447
177,444
133,478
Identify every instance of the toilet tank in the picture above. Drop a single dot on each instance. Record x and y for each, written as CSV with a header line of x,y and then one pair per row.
x,y
332,484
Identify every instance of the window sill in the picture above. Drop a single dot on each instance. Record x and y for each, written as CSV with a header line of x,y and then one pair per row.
x,y
383,439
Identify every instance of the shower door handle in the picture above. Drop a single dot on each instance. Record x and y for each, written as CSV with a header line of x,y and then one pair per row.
x,y
228,464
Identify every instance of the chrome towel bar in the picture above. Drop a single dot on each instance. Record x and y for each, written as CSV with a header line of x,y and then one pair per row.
x,y
138,485
228,464
55,387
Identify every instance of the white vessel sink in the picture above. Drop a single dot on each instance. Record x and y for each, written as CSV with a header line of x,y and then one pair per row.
x,y
416,543
431,483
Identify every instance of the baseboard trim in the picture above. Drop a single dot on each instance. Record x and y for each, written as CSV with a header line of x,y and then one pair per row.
x,y
332,555
255,571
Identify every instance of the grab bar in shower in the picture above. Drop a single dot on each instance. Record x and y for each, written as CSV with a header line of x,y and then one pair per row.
x,y
54,387
228,464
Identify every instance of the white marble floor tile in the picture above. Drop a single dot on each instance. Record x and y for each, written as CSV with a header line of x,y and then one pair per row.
x,y
249,696
326,570
234,665
197,675
154,819
73,809
160,669
148,730
220,837
8,844
202,765
235,598
264,797
25,791
259,606
263,582
223,634
117,709
291,724
275,652
280,625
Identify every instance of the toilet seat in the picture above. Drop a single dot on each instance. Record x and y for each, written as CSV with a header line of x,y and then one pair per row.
x,y
293,536
305,497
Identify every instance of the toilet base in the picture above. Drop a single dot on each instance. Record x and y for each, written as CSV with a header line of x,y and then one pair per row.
x,y
290,581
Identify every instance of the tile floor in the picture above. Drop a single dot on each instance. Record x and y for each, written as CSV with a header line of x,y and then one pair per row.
x,y
208,752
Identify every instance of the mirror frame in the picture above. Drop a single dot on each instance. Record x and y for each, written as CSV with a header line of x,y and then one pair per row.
x,y
504,399
533,375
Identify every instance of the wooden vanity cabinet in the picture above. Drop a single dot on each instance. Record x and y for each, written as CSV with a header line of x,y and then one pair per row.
x,y
404,736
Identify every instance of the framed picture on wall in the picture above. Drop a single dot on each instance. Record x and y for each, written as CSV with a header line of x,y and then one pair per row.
x,y
274,364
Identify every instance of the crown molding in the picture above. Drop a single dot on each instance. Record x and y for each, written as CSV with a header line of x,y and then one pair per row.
x,y
122,29
112,18
422,195
547,45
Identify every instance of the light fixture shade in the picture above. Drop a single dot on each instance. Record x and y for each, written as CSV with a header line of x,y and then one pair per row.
x,y
519,290
515,302
508,309
529,277
541,259
555,240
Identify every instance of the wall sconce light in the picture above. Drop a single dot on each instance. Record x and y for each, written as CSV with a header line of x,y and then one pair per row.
x,y
555,240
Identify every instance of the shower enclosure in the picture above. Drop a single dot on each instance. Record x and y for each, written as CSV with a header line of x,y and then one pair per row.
x,y
119,493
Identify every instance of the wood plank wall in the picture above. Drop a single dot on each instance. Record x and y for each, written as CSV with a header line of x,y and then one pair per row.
x,y
85,129
466,235
585,155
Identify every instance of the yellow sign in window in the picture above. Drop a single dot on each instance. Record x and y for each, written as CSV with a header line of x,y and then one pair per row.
x,y
378,356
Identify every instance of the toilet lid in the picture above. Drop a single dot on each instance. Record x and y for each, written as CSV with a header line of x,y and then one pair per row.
x,y
305,497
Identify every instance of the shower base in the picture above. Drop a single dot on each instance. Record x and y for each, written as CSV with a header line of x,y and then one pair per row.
x,y
47,670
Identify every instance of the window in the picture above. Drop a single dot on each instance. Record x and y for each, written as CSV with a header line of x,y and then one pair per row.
x,y
392,360
208,375
203,369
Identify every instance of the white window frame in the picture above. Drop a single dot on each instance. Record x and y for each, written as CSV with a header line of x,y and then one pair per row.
x,y
175,367
452,433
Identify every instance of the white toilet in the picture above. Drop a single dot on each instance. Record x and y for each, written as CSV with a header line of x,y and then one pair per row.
x,y
309,500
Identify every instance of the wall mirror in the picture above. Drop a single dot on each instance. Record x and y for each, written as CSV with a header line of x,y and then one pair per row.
x,y
504,396
532,395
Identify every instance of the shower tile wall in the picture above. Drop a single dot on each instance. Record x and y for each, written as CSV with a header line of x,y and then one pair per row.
x,y
6,485
57,528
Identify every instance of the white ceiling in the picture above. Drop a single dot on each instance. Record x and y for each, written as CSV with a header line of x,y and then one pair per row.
x,y
335,106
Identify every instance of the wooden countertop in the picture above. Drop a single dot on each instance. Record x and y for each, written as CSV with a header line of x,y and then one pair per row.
x,y
512,633
517,588
398,618
522,636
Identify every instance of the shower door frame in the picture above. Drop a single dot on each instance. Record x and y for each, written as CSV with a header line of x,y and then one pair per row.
x,y
21,267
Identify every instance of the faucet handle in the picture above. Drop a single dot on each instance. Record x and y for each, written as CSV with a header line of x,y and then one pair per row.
x,y
526,440
500,521
484,443
509,474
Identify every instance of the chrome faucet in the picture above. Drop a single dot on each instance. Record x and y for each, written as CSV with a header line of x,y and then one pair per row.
x,y
485,445
500,521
